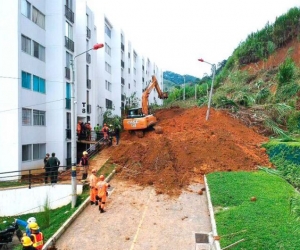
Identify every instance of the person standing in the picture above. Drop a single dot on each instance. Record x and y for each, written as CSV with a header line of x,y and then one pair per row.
x,y
36,236
102,187
54,165
79,125
25,224
105,131
93,190
47,168
88,130
117,134
84,162
97,131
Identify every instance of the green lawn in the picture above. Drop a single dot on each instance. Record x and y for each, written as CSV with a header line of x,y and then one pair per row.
x,y
266,223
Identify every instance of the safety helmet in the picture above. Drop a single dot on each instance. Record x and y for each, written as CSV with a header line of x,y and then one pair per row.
x,y
101,177
34,226
26,241
31,219
93,170
85,153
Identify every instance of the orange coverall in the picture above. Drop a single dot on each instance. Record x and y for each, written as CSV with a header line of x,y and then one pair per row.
x,y
102,193
93,189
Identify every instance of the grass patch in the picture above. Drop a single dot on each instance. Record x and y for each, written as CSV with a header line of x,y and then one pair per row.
x,y
51,220
266,223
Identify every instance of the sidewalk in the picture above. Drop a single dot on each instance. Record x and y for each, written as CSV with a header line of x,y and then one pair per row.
x,y
138,219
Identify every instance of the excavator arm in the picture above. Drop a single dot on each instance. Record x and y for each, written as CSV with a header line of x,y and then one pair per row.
x,y
146,93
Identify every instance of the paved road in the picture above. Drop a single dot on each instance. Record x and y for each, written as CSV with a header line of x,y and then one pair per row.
x,y
138,219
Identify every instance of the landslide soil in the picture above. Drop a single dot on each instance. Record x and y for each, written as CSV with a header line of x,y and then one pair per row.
x,y
189,147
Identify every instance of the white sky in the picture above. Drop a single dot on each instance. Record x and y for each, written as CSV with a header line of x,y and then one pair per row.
x,y
175,34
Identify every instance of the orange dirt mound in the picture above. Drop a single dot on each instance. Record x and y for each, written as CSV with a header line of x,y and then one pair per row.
x,y
189,147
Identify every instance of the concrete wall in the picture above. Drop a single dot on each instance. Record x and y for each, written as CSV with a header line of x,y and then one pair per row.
x,y
18,201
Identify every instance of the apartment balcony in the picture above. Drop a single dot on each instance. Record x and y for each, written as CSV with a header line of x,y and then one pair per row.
x,y
68,133
68,103
88,83
68,73
142,79
88,58
122,64
89,108
143,67
122,80
123,98
69,14
122,46
88,32
69,44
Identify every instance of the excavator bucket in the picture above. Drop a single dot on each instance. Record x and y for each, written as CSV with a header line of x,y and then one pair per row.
x,y
158,129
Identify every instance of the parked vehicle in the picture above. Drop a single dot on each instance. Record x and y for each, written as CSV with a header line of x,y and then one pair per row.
x,y
6,235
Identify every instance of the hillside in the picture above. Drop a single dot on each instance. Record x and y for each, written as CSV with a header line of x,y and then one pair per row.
x,y
189,148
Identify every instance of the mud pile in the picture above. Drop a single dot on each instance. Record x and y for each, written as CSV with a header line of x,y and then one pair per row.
x,y
189,147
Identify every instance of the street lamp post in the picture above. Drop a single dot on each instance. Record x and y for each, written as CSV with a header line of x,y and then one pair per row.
x,y
183,88
73,126
213,68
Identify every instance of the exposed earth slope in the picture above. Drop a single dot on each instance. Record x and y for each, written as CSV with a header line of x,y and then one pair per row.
x,y
189,148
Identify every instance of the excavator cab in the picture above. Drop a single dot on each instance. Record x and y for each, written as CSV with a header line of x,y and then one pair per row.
x,y
135,113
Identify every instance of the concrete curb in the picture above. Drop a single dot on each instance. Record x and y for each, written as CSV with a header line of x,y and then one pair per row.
x,y
215,243
64,227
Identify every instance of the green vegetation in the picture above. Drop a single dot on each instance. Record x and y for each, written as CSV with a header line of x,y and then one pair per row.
x,y
267,223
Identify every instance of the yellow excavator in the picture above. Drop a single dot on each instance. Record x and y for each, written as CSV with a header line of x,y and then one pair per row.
x,y
138,119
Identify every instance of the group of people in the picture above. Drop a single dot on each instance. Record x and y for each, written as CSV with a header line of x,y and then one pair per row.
x,y
51,165
98,190
84,130
33,238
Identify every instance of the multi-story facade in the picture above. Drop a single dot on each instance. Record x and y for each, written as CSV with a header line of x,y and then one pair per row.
x,y
46,41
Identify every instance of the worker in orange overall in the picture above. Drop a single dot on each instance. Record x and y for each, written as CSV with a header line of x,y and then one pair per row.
x,y
105,131
93,190
102,187
36,236
84,162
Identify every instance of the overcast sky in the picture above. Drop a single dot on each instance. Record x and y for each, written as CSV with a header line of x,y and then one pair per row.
x,y
175,33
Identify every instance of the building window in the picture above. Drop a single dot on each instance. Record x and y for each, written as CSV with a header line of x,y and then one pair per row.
x,y
107,31
108,104
26,117
38,51
69,4
68,59
134,82
38,17
39,118
107,49
26,8
107,68
108,85
128,70
39,84
26,80
39,151
128,85
26,152
134,71
68,120
69,31
26,44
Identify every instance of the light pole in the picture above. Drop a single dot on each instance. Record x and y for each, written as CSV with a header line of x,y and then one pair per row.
x,y
183,88
213,68
74,124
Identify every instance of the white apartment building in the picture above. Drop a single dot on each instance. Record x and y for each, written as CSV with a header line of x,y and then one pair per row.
x,y
40,39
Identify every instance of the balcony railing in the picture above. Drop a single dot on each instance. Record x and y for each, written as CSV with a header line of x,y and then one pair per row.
x,y
69,14
68,103
123,98
122,64
68,134
89,108
122,80
69,44
88,83
88,32
122,46
68,73
88,58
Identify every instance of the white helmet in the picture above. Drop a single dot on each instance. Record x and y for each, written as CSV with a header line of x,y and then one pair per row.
x,y
31,219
